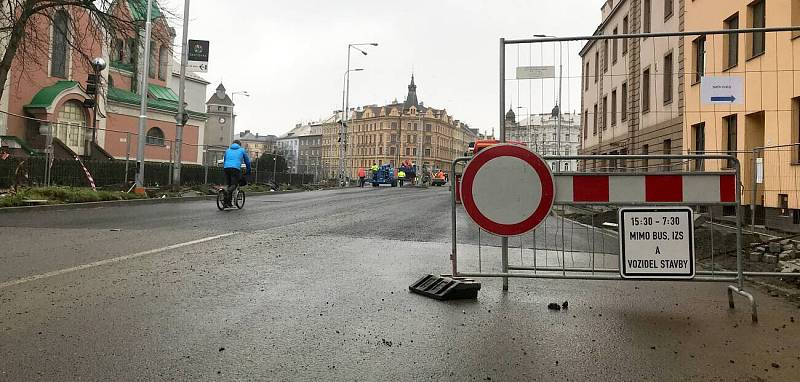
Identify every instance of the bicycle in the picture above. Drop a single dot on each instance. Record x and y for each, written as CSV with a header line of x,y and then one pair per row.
x,y
238,198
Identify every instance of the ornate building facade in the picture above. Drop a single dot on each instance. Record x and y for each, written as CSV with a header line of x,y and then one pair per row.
x,y
395,133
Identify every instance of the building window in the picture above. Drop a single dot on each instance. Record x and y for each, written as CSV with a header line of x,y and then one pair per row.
x,y
699,132
646,9
58,65
594,124
155,137
596,65
614,47
667,151
585,124
668,6
605,112
427,152
699,58
586,77
729,124
731,42
758,19
624,98
795,216
163,63
428,127
668,68
645,161
614,108
392,150
605,56
646,90
796,130
393,138
795,18
151,71
625,32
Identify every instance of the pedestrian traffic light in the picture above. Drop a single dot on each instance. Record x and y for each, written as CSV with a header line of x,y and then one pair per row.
x,y
92,83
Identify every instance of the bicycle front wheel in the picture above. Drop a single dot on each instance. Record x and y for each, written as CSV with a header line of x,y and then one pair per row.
x,y
240,200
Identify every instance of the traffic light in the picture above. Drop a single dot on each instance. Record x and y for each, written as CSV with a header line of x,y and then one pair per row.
x,y
92,84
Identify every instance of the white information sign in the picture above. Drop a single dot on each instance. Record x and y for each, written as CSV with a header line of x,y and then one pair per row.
x,y
535,72
725,90
656,243
760,170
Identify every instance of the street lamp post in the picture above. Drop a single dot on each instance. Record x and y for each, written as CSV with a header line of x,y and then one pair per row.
x,y
345,111
233,121
143,100
179,119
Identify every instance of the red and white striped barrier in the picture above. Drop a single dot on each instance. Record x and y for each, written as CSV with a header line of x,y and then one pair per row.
x,y
700,188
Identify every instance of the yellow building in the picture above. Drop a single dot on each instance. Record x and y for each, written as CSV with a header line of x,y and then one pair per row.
x,y
769,113
396,133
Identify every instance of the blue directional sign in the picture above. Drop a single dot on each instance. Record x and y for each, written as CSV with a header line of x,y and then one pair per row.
x,y
726,90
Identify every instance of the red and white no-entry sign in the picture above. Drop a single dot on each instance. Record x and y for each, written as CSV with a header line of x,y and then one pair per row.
x,y
507,190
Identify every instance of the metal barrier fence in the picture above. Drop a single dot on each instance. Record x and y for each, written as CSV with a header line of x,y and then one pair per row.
x,y
65,172
579,240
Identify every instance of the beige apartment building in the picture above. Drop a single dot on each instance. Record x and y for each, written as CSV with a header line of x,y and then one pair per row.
x,y
769,114
631,92
395,133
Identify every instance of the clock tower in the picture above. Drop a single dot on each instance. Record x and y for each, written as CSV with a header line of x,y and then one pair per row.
x,y
219,127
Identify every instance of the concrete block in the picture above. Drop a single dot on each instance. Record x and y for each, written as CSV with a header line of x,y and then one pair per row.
x,y
770,259
785,241
788,247
755,256
760,249
775,247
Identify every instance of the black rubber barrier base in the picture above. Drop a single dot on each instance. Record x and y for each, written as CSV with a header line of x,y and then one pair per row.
x,y
446,288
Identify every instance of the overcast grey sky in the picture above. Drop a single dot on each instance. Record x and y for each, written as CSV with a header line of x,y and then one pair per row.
x,y
291,55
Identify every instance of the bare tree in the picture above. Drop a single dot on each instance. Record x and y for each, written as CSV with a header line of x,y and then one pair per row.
x,y
25,29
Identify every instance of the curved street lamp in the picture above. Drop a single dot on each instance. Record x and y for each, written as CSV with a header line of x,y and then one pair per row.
x,y
345,110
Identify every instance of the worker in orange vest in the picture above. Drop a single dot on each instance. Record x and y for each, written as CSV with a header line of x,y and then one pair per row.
x,y
361,175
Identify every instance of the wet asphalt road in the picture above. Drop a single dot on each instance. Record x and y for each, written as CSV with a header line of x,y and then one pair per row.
x,y
313,286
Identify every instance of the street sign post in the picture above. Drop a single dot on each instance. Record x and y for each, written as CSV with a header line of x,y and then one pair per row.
x,y
507,190
656,243
725,90
198,56
535,72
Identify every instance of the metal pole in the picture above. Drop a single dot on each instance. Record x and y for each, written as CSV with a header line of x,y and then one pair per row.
x,y
274,168
454,253
127,156
143,102
420,139
176,173
205,164
755,192
504,239
739,265
345,116
558,126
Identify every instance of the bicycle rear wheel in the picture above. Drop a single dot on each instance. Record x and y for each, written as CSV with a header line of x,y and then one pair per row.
x,y
240,199
221,200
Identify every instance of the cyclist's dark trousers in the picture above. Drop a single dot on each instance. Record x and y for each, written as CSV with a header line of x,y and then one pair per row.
x,y
232,176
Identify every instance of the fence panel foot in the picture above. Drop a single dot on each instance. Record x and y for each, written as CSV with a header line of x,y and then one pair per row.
x,y
741,292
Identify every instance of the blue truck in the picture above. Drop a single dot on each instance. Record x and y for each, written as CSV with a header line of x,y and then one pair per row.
x,y
385,175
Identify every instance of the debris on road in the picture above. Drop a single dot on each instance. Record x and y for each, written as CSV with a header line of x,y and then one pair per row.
x,y
554,306
565,305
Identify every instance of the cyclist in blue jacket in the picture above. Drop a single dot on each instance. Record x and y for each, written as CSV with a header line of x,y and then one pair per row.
x,y
234,157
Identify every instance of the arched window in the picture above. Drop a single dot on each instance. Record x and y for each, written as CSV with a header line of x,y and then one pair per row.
x,y
163,63
155,137
58,61
71,126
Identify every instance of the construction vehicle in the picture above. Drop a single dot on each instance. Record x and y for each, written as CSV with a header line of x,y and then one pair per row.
x,y
410,170
385,175
439,179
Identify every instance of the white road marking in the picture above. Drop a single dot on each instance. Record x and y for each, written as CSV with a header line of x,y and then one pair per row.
x,y
109,261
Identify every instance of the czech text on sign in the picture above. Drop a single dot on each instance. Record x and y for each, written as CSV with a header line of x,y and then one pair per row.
x,y
722,90
656,242
198,56
535,72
